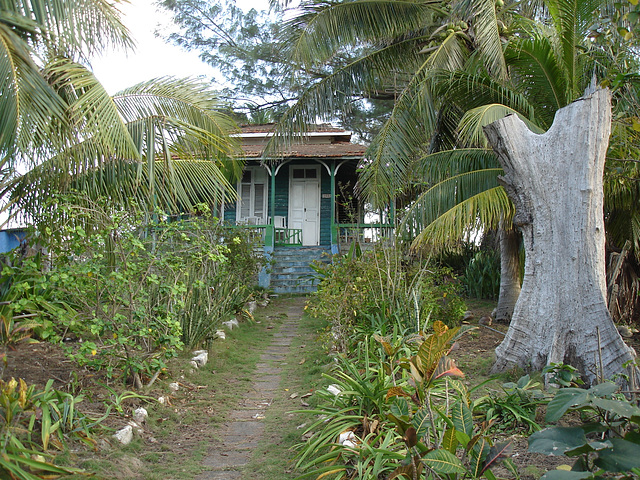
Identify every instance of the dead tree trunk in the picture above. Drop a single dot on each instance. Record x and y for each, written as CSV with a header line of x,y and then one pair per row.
x,y
555,181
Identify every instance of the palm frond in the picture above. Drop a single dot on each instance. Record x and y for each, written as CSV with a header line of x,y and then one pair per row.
x,y
571,19
324,28
485,209
28,104
335,93
80,28
482,14
473,121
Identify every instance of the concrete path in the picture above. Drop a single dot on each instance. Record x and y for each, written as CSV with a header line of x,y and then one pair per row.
x,y
241,434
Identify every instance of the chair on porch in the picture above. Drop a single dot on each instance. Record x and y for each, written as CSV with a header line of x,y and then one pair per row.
x,y
280,227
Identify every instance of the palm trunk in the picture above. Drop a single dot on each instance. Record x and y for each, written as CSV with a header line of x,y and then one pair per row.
x,y
509,274
555,181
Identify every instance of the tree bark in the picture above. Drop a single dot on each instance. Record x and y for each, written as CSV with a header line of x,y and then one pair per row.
x,y
555,181
509,274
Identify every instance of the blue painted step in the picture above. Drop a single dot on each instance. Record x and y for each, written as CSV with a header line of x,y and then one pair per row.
x,y
290,270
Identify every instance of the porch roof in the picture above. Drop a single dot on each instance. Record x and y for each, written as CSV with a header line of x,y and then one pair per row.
x,y
337,150
321,141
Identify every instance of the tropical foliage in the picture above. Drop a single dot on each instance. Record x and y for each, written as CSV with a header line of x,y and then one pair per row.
x,y
379,291
135,294
163,143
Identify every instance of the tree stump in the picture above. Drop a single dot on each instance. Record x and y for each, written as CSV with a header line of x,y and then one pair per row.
x,y
555,181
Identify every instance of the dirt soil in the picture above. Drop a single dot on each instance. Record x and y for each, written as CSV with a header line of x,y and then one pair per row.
x,y
36,363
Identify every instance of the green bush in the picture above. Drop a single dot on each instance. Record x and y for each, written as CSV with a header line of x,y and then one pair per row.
x,y
134,291
360,294
482,275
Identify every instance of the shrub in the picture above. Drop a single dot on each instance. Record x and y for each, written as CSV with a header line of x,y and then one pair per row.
x,y
135,292
360,293
482,275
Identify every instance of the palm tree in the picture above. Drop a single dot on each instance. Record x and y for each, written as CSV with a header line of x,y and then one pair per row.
x,y
163,143
178,136
442,108
31,32
413,41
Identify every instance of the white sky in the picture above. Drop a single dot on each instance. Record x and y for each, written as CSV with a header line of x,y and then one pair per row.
x,y
152,57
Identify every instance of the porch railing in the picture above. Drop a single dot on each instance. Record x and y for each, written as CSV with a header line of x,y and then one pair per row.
x,y
287,236
366,234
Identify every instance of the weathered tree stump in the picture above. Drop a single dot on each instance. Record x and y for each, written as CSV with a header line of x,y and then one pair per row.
x,y
555,181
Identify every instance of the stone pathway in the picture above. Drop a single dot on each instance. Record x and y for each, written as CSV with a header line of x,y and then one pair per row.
x,y
241,434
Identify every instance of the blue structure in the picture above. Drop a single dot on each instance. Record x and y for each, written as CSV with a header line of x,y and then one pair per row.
x,y
11,238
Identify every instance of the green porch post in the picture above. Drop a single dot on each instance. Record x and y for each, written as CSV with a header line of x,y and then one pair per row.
x,y
334,227
270,237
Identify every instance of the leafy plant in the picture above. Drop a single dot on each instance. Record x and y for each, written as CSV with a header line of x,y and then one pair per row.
x,y
482,275
607,442
33,421
515,409
563,375
359,290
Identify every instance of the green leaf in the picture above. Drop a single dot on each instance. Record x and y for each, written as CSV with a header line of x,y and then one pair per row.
x,y
588,448
443,461
557,440
462,418
565,475
619,407
563,401
400,408
421,422
449,440
622,457
604,389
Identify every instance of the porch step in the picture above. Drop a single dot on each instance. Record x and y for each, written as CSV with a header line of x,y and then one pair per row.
x,y
291,271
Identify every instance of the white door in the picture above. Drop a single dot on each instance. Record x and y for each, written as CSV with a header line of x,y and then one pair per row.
x,y
304,202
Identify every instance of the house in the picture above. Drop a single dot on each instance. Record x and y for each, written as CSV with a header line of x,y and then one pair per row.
x,y
302,204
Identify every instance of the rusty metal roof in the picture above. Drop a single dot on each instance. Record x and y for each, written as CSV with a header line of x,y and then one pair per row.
x,y
341,149
320,141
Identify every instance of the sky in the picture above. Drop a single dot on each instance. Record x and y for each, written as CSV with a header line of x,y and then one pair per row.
x,y
152,57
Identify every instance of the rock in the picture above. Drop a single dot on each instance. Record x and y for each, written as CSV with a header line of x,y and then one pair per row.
x,y
250,307
347,437
194,364
124,435
140,415
199,352
231,324
201,359
468,315
333,388
486,320
174,387
136,427
221,334
162,400
625,332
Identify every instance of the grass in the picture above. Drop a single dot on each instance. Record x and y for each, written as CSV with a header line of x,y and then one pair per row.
x,y
177,436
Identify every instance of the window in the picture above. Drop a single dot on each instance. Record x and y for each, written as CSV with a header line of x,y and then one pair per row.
x,y
252,193
301,173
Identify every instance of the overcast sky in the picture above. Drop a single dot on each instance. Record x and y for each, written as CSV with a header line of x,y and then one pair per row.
x,y
152,57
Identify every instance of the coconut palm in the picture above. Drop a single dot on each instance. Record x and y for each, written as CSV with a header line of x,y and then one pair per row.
x,y
405,43
179,138
163,143
452,94
30,33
